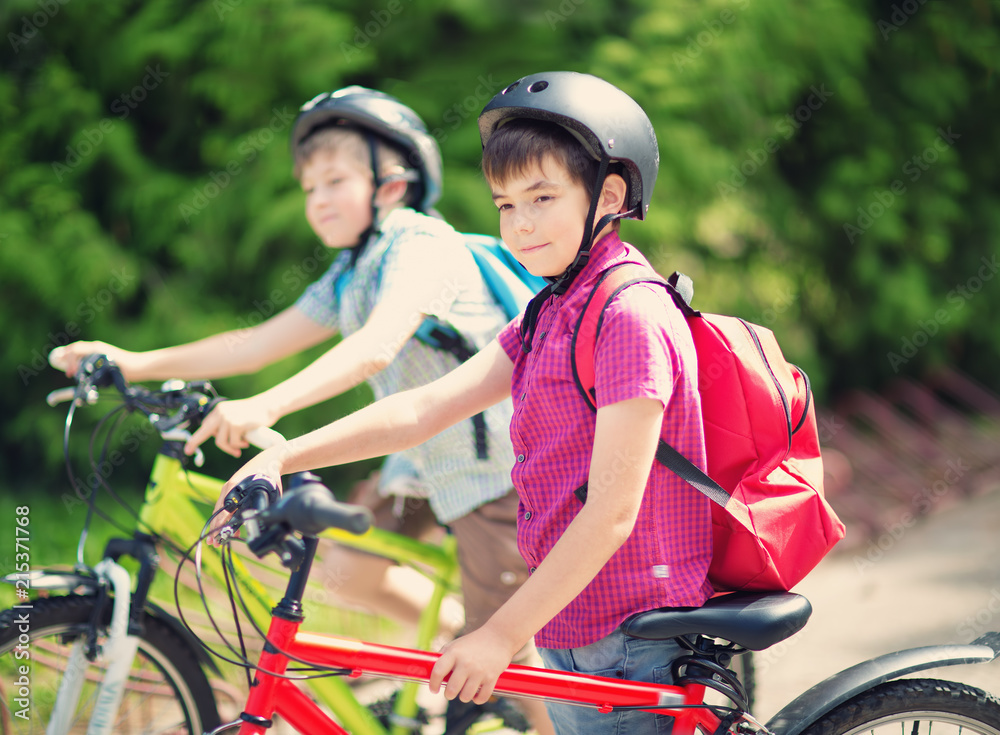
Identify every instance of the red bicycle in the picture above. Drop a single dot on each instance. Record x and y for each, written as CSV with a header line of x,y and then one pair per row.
x,y
868,697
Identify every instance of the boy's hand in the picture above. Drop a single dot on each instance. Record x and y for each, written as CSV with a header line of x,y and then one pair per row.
x,y
68,357
475,662
229,422
266,464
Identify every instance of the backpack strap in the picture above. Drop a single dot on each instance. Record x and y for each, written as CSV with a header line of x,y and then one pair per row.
x,y
610,283
435,333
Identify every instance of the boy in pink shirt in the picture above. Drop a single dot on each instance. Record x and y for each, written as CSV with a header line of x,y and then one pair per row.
x,y
563,151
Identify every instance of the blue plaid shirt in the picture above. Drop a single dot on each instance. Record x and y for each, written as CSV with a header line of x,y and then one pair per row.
x,y
415,246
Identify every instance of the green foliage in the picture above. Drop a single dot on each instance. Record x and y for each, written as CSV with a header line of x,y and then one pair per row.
x,y
834,161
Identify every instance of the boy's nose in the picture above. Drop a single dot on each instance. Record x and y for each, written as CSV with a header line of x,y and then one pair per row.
x,y
523,223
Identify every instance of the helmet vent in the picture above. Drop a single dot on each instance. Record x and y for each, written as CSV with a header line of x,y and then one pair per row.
x,y
512,87
538,86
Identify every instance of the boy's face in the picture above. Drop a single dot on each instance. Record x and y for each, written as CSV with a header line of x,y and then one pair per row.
x,y
338,197
542,213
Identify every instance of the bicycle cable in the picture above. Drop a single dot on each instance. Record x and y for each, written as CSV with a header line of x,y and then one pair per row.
x,y
307,666
100,482
241,661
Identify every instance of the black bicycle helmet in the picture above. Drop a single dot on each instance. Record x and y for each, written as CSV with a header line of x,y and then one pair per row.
x,y
609,124
602,117
385,116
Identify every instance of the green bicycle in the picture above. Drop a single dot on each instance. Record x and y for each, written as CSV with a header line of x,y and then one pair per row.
x,y
75,642
106,658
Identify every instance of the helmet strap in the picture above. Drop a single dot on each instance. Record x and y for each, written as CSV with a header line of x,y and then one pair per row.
x,y
373,229
559,284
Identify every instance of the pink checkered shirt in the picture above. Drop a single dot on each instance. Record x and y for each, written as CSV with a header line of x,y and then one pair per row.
x,y
644,349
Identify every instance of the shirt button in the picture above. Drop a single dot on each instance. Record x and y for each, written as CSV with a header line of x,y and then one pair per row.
x,y
527,515
523,396
520,458
531,571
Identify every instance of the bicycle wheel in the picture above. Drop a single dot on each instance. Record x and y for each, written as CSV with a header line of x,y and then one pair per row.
x,y
166,690
914,707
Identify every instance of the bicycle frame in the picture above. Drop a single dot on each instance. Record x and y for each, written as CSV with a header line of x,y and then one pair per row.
x,y
171,508
274,694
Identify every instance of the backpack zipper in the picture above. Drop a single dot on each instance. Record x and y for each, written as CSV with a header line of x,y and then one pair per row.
x,y
774,379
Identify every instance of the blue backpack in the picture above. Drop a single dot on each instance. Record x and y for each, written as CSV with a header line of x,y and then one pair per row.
x,y
510,284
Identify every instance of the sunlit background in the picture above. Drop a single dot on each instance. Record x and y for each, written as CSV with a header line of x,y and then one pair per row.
x,y
828,169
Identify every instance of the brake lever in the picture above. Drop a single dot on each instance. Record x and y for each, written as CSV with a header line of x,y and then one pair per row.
x,y
182,435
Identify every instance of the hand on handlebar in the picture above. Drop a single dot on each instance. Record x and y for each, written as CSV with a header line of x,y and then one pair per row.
x,y
230,422
68,357
266,464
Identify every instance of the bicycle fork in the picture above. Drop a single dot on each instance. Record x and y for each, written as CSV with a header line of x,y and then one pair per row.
x,y
120,648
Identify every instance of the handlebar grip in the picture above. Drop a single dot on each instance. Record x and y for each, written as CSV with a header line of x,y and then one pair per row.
x,y
264,437
60,395
311,509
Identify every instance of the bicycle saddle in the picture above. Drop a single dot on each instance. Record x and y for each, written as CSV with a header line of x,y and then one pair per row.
x,y
752,620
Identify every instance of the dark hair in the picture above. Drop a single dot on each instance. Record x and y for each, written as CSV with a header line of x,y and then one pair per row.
x,y
522,143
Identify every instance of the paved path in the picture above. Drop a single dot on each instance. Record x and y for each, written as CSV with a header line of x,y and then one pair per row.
x,y
937,581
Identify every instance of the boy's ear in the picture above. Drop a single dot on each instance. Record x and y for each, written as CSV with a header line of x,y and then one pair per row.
x,y
612,195
390,193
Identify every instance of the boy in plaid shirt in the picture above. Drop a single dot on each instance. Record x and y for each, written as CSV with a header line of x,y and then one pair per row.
x,y
563,151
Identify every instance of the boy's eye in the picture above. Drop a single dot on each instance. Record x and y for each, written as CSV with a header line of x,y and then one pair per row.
x,y
503,207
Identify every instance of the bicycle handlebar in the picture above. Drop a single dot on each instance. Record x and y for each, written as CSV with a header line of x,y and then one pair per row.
x,y
189,402
308,508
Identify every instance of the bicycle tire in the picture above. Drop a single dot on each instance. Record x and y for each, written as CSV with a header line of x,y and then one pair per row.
x,y
166,689
917,706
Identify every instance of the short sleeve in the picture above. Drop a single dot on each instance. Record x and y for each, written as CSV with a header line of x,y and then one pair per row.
x,y
320,301
510,337
426,258
635,355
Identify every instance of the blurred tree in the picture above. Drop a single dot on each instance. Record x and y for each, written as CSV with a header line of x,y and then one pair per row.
x,y
834,159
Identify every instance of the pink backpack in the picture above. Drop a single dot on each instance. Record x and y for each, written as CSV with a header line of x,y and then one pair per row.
x,y
770,522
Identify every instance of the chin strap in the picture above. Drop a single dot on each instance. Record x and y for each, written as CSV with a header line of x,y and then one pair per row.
x,y
559,284
373,229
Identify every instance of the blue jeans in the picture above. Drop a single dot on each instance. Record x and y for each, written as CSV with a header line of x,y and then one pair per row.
x,y
619,657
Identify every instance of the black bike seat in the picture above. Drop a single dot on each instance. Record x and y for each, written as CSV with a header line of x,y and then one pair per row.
x,y
752,620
